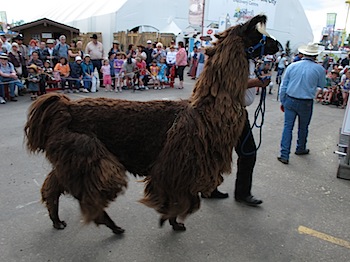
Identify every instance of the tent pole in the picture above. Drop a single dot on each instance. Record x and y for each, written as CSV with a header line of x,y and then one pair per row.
x,y
203,7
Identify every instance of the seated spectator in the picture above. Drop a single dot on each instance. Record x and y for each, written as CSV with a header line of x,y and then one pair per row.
x,y
345,84
35,60
2,47
73,52
129,69
329,93
49,77
131,53
140,52
88,73
76,75
8,75
62,67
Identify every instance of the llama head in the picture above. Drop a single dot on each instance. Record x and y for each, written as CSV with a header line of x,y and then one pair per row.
x,y
255,39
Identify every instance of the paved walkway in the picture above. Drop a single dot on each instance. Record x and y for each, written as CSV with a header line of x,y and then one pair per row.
x,y
305,215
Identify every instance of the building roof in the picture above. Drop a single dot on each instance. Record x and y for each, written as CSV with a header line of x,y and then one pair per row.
x,y
45,21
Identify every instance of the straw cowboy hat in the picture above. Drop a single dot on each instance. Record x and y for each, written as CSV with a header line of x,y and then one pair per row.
x,y
4,56
310,49
33,67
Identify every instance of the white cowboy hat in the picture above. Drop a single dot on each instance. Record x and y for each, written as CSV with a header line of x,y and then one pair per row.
x,y
310,49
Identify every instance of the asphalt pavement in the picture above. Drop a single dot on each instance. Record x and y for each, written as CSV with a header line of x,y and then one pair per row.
x,y
305,215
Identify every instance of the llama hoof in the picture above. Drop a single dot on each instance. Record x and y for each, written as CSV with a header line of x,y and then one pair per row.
x,y
162,221
60,225
118,230
179,227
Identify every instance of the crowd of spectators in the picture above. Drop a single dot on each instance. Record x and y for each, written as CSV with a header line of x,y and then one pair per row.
x,y
54,64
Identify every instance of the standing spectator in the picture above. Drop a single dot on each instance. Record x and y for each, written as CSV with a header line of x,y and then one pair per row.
x,y
33,81
131,51
281,65
154,70
171,58
32,47
297,92
345,61
76,75
50,53
95,49
118,65
194,63
158,53
140,52
325,62
148,50
201,60
162,73
88,73
24,51
5,44
62,47
115,48
298,57
73,52
2,48
17,59
42,46
106,72
141,74
111,57
181,63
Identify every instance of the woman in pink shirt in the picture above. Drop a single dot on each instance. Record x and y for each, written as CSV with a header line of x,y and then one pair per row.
x,y
181,63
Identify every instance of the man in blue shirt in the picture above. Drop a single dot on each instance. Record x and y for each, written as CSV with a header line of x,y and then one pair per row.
x,y
62,47
297,92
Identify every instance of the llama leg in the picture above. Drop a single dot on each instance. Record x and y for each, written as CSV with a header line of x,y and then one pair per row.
x,y
177,226
50,193
104,219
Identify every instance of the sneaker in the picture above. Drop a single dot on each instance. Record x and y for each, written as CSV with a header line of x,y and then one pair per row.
x,y
106,90
13,99
70,91
76,91
146,88
120,90
86,91
2,100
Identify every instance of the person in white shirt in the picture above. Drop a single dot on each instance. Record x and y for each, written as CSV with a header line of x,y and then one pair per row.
x,y
171,58
5,44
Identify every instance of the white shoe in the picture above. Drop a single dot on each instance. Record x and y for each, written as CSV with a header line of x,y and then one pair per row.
x,y
76,90
146,88
2,100
120,90
86,91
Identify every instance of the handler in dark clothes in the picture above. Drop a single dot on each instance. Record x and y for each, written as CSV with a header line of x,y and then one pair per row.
x,y
246,150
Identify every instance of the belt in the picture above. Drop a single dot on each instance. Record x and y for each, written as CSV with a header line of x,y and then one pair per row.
x,y
301,99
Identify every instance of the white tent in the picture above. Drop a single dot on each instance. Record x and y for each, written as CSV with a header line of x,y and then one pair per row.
x,y
287,20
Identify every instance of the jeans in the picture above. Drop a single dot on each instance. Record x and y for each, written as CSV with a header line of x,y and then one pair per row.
x,y
87,82
12,83
279,75
97,63
301,108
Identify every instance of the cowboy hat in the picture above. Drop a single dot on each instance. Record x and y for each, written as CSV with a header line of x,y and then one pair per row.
x,y
94,36
33,67
4,56
310,49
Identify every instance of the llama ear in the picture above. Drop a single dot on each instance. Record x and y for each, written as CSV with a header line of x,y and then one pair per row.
x,y
254,23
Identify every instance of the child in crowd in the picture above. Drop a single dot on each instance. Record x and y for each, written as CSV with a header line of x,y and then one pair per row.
x,y
118,64
141,74
33,81
111,57
345,83
107,79
162,72
62,67
48,72
154,70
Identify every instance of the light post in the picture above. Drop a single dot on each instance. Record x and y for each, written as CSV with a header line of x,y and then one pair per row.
x,y
346,21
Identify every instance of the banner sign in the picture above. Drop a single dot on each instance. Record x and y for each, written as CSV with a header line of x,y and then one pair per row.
x,y
241,11
195,13
331,18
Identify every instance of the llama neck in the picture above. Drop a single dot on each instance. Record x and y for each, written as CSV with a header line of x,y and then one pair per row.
x,y
223,82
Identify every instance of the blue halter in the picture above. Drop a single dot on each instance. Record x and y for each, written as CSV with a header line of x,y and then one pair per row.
x,y
262,42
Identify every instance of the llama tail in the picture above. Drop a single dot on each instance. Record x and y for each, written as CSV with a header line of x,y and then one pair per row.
x,y
46,115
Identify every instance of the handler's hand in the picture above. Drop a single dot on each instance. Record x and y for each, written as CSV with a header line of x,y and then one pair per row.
x,y
282,108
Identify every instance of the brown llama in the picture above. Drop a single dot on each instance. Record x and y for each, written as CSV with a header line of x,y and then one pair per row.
x,y
180,147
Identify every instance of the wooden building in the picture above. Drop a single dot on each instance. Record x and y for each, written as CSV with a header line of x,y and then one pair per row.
x,y
44,29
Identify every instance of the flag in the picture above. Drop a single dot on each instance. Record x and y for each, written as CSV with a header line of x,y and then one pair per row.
x,y
195,14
